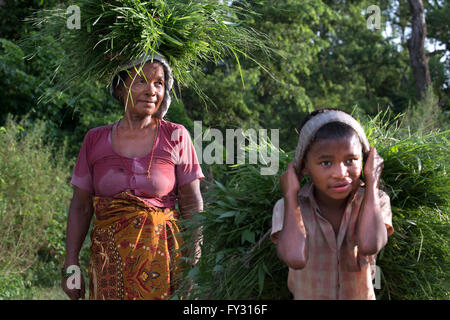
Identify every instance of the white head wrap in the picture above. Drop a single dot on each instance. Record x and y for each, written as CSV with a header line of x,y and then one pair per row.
x,y
167,74
313,125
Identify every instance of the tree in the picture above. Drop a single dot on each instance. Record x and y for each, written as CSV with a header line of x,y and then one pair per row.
x,y
327,58
360,67
274,99
416,47
438,23
13,13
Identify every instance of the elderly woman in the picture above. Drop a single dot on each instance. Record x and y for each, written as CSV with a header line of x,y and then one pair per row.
x,y
130,175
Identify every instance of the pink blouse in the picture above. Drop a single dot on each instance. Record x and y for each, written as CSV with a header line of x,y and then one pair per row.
x,y
102,172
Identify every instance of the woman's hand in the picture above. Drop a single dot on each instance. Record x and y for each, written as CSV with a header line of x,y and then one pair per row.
x,y
80,214
74,294
190,201
289,181
373,167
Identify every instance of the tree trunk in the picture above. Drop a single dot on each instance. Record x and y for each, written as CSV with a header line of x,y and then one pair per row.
x,y
416,47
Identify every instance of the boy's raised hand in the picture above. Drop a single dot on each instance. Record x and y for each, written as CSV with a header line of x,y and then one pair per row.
x,y
289,181
373,167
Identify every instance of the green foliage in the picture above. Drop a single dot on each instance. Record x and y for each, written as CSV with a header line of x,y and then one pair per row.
x,y
398,17
12,286
68,119
112,33
34,196
360,66
234,106
415,263
177,113
240,262
327,57
437,21
14,12
426,116
274,100
17,85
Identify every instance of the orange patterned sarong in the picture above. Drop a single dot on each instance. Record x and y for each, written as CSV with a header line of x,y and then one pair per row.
x,y
134,249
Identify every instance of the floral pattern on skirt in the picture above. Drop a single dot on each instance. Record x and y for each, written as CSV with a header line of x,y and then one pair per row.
x,y
135,250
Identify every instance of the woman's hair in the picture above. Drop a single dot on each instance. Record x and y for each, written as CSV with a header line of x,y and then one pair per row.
x,y
119,80
331,130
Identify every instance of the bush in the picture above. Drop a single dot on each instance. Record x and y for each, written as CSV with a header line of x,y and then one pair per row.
x,y
24,79
415,263
34,197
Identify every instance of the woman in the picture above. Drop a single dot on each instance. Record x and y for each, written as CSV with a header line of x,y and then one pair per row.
x,y
130,174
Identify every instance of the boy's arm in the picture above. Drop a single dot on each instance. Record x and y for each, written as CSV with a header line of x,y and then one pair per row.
x,y
292,241
371,231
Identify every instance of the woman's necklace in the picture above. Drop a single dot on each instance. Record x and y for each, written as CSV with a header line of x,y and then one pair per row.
x,y
151,154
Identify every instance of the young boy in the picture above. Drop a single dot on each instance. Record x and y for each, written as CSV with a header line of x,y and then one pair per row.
x,y
330,231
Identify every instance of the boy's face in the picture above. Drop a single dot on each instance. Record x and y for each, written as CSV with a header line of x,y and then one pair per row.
x,y
334,166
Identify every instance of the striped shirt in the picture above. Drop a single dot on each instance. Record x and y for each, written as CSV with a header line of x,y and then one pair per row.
x,y
335,269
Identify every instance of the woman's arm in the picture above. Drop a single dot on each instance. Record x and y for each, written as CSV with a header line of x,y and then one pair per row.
x,y
80,214
191,201
371,230
292,242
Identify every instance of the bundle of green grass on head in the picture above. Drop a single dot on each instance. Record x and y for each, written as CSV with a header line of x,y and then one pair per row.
x,y
187,33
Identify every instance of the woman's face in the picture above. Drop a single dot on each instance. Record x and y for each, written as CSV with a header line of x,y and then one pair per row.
x,y
143,91
335,167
